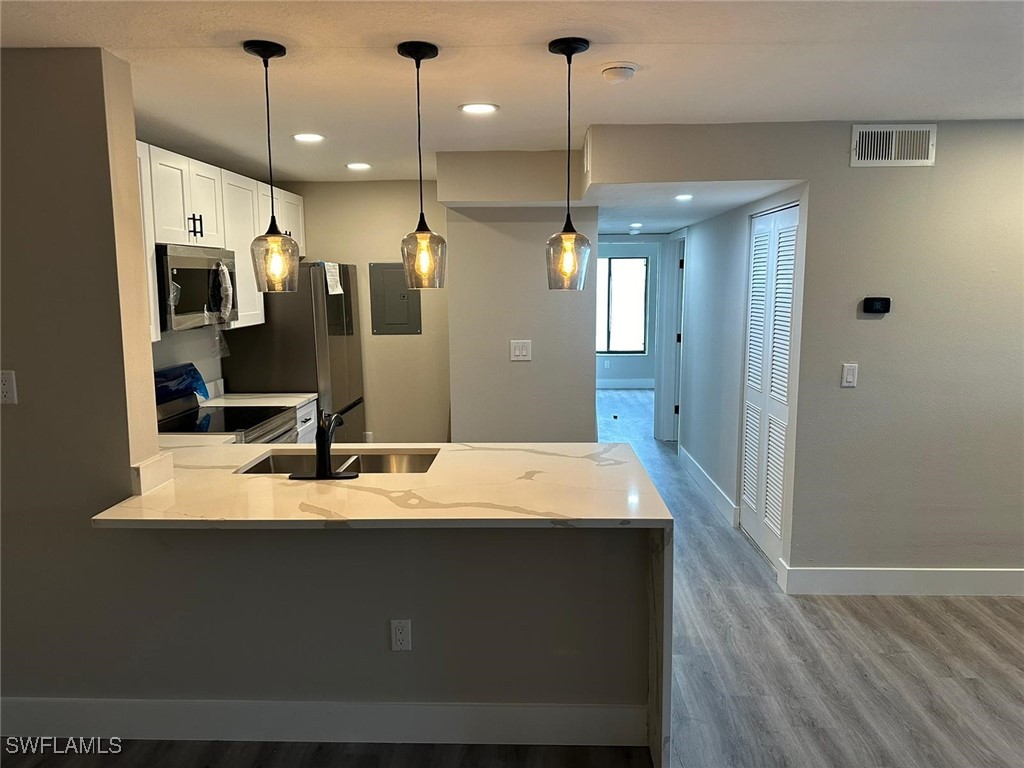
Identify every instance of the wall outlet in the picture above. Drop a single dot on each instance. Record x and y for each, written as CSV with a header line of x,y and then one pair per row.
x,y
8,388
367,437
607,364
401,634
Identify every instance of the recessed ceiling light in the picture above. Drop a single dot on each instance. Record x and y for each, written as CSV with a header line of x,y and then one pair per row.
x,y
358,166
479,109
636,225
684,197
308,138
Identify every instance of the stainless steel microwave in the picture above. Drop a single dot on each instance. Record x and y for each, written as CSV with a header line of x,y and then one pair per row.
x,y
197,286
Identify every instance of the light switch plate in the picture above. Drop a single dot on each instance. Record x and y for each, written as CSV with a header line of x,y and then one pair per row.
x,y
520,350
849,379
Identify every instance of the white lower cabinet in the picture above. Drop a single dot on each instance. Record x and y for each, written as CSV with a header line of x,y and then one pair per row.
x,y
148,236
241,225
305,422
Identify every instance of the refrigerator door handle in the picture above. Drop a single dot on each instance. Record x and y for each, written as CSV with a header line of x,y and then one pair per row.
x,y
321,338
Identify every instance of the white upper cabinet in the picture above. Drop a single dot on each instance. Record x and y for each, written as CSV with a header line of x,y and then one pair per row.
x,y
206,185
188,205
148,235
289,211
186,202
242,223
172,198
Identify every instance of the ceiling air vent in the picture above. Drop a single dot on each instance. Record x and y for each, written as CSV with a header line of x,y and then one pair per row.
x,y
893,145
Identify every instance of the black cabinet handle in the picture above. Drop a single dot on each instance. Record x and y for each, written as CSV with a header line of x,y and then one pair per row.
x,y
307,420
195,227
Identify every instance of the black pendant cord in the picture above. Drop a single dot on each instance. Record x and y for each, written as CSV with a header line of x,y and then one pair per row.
x,y
568,140
422,226
270,151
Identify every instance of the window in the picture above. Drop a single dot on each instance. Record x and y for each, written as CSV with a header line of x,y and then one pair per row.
x,y
622,305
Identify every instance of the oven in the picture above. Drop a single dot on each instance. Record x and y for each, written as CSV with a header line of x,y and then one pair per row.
x,y
197,286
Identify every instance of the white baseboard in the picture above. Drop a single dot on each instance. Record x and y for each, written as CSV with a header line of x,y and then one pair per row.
x,y
387,722
718,497
625,383
900,581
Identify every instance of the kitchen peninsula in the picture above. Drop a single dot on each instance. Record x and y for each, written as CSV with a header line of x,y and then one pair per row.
x,y
546,571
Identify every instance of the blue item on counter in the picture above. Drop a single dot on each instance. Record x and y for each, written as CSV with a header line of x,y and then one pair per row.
x,y
177,381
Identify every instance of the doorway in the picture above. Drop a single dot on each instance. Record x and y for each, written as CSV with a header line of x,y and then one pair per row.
x,y
625,346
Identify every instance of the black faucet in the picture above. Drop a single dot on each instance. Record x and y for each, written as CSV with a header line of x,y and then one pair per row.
x,y
327,423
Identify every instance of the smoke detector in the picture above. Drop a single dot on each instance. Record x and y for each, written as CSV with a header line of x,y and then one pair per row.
x,y
619,71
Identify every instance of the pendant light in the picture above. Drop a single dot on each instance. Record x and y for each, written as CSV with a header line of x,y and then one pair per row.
x,y
424,253
568,251
275,256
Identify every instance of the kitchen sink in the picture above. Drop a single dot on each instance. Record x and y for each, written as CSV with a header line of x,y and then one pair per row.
x,y
288,462
372,463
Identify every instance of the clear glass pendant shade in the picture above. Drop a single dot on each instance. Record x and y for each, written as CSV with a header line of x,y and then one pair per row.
x,y
424,254
275,258
568,256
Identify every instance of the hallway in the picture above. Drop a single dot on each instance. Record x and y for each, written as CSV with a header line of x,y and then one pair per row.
x,y
763,680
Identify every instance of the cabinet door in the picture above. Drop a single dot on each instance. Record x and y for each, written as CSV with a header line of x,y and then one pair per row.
x,y
242,223
207,202
289,210
172,199
148,235
290,205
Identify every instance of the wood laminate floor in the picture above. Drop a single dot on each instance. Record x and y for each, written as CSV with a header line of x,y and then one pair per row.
x,y
760,680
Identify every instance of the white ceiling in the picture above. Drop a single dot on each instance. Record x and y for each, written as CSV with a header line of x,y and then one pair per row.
x,y
700,62
655,206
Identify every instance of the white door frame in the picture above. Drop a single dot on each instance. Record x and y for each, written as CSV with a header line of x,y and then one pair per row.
x,y
668,324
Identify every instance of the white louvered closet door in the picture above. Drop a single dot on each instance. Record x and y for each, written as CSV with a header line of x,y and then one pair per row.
x,y
766,392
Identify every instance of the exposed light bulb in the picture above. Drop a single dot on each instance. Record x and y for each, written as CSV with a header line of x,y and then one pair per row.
x,y
568,264
276,269
423,257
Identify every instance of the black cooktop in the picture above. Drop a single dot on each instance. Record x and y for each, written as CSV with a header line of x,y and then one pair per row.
x,y
234,418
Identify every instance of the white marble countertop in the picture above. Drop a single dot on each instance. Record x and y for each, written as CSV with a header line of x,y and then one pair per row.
x,y
169,440
468,485
287,399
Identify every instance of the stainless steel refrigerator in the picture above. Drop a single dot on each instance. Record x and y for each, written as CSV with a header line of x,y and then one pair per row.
x,y
309,343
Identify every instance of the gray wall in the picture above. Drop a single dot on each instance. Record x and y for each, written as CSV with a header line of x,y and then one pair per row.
x,y
192,346
921,464
631,369
405,377
498,292
714,327
65,344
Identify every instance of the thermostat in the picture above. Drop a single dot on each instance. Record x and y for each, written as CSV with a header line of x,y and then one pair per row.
x,y
877,305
